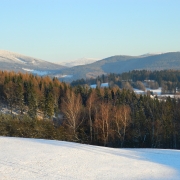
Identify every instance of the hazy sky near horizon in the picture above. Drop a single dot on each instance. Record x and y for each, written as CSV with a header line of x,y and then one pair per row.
x,y
62,30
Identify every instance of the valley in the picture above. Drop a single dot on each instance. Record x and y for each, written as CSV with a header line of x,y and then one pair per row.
x,y
88,67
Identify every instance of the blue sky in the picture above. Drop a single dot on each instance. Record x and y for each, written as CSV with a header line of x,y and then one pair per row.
x,y
62,30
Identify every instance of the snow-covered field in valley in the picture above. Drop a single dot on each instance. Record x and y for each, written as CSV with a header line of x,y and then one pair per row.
x,y
29,159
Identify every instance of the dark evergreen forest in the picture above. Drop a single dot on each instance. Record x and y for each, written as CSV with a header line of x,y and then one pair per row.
x,y
169,80
113,117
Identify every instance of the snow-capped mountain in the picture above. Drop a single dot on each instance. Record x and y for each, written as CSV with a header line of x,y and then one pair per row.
x,y
82,61
17,62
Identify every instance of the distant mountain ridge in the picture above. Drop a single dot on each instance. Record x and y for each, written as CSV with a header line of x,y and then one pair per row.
x,y
17,62
119,64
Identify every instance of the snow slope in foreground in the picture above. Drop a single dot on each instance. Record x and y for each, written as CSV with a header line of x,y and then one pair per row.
x,y
24,159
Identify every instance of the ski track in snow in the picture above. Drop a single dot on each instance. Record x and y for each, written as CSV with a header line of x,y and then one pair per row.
x,y
30,159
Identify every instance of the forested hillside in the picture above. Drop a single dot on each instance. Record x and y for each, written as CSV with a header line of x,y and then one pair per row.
x,y
120,64
111,116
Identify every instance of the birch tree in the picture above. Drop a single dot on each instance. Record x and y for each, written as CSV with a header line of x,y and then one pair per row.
x,y
122,120
90,106
71,107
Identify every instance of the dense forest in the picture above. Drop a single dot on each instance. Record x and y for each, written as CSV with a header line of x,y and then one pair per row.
x,y
169,80
114,117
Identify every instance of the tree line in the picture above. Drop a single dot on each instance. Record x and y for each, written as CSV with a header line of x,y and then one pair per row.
x,y
110,117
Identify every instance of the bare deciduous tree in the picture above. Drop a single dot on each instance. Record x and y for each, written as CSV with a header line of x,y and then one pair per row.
x,y
72,108
90,104
122,120
102,122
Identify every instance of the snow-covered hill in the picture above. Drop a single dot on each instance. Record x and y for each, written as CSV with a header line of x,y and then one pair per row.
x,y
82,61
25,159
17,62
10,57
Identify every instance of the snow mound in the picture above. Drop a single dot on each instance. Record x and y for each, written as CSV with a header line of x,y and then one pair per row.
x,y
23,159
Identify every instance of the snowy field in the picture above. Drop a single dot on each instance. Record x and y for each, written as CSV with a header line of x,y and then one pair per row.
x,y
102,85
29,159
155,91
